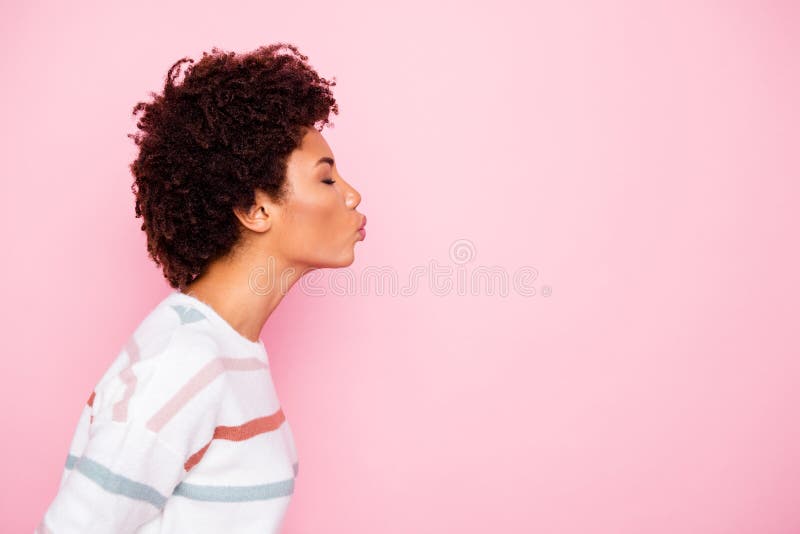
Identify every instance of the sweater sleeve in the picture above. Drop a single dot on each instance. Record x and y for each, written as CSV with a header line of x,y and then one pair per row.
x,y
140,445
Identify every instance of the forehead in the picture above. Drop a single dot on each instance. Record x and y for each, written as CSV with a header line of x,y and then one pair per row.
x,y
312,147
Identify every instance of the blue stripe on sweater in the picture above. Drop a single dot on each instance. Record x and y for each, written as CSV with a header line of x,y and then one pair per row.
x,y
122,485
115,483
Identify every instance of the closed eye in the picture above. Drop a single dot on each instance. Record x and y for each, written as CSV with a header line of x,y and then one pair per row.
x,y
329,181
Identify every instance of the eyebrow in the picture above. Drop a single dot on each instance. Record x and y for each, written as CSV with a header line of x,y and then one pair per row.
x,y
325,160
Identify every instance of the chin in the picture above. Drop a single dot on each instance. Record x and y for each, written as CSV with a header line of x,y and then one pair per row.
x,y
347,260
344,261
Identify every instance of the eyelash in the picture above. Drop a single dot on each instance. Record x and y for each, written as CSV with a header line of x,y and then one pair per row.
x,y
331,182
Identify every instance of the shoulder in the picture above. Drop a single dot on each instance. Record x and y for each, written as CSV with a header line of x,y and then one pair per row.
x,y
183,369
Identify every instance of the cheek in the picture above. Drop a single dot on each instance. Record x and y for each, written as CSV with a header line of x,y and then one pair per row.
x,y
312,221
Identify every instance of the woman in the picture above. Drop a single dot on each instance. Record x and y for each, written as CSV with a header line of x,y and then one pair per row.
x,y
240,196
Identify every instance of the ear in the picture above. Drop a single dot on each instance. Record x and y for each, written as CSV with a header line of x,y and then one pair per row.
x,y
259,216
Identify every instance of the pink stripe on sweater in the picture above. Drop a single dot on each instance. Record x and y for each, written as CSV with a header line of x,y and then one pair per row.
x,y
200,380
129,378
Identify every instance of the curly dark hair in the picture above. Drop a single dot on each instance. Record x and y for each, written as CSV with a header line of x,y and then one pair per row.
x,y
205,146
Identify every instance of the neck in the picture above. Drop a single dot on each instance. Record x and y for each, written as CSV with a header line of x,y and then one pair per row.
x,y
244,293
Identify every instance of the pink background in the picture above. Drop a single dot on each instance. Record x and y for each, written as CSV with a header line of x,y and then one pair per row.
x,y
642,157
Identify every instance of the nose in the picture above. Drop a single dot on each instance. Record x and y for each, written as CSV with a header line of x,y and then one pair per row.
x,y
353,198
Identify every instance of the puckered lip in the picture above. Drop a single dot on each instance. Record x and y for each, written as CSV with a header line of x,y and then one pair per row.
x,y
363,222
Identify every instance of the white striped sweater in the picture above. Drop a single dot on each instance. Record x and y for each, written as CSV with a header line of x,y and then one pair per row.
x,y
184,433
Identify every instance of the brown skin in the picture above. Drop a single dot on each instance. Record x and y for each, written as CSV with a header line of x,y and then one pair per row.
x,y
316,227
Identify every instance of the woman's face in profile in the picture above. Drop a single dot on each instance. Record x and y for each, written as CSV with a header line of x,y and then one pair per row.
x,y
319,224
